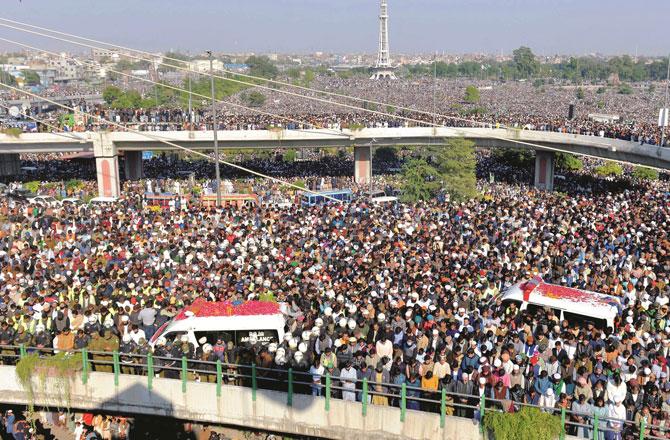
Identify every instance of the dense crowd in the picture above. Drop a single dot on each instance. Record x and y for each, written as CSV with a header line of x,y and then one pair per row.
x,y
407,294
515,104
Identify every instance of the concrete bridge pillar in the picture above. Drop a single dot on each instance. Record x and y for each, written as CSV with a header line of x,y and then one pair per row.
x,y
10,164
544,170
362,165
133,165
106,165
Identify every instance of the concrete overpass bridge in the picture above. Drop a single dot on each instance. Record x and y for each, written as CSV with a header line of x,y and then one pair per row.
x,y
107,145
234,406
61,99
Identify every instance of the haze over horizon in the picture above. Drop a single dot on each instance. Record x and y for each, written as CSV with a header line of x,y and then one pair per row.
x,y
306,26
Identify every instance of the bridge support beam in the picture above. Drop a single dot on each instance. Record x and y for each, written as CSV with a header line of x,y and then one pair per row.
x,y
133,165
10,164
362,165
544,170
106,165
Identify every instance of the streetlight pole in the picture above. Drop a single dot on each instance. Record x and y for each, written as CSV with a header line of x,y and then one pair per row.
x,y
370,183
190,100
215,128
665,101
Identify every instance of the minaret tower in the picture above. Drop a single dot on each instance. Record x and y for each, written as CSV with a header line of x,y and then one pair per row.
x,y
383,69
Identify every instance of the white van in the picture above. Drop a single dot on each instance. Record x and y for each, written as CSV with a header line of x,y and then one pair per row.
x,y
574,305
226,321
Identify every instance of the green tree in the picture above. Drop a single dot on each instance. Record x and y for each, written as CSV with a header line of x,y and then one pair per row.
x,y
524,61
455,164
32,186
471,94
645,173
601,90
289,155
609,168
569,162
309,77
131,99
261,66
419,181
580,93
294,73
31,77
111,94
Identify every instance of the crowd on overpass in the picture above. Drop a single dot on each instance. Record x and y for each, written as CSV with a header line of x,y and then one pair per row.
x,y
394,295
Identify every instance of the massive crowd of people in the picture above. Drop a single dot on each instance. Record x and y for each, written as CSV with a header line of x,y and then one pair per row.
x,y
512,104
394,294
404,294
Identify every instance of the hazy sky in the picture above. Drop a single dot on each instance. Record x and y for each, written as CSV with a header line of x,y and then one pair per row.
x,y
454,26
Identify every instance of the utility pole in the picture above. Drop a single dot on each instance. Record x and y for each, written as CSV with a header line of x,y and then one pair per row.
x,y
370,183
215,128
434,84
190,99
665,101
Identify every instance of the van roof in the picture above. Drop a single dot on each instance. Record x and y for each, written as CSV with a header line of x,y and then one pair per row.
x,y
384,199
583,302
225,316
202,308
104,199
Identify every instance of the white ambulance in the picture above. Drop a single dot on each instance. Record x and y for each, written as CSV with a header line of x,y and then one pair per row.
x,y
574,305
249,321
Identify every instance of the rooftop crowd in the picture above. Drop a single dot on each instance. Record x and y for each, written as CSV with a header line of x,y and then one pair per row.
x,y
407,294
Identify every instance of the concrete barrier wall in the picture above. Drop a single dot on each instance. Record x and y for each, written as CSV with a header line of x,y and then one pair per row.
x,y
235,407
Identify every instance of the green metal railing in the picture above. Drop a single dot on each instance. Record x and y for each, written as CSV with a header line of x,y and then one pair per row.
x,y
248,375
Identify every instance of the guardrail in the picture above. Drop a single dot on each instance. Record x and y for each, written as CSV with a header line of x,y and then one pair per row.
x,y
292,381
